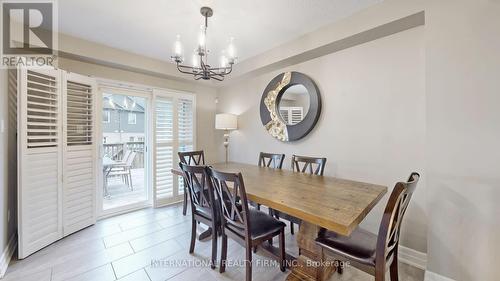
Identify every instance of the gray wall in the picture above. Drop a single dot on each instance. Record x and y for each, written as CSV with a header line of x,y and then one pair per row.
x,y
367,129
463,138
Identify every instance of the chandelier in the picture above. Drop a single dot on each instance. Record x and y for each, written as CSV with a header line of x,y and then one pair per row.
x,y
200,69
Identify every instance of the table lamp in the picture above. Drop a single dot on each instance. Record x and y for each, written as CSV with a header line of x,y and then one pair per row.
x,y
226,122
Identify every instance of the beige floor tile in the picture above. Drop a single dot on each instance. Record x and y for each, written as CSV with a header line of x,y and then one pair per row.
x,y
54,254
154,238
125,236
103,273
139,275
143,258
86,263
43,275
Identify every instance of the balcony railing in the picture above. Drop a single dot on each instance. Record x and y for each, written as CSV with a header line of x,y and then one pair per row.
x,y
116,151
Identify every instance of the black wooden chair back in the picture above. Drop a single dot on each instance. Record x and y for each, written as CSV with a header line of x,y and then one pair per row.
x,y
390,227
234,206
272,160
199,189
192,157
312,165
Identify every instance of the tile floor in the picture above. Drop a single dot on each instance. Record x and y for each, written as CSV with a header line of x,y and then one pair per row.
x,y
126,247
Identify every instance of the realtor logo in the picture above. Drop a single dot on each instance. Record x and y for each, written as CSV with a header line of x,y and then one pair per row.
x,y
28,34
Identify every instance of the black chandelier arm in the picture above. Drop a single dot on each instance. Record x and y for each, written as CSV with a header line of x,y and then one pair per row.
x,y
194,70
222,70
217,78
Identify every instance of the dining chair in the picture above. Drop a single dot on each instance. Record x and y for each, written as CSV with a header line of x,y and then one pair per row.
x,y
270,160
247,226
311,165
190,158
203,204
308,164
370,252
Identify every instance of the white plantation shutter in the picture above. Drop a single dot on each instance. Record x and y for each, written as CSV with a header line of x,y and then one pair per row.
x,y
284,114
79,155
164,131
296,114
42,109
185,131
56,156
40,162
174,131
291,115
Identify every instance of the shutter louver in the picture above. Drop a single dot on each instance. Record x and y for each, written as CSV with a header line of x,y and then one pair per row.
x,y
79,114
164,148
42,110
185,129
284,115
185,119
296,114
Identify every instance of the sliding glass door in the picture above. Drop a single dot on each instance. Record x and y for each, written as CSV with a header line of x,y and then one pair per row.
x,y
134,176
125,166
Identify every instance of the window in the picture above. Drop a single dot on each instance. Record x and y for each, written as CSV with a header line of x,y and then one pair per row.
x,y
106,117
132,118
105,140
131,139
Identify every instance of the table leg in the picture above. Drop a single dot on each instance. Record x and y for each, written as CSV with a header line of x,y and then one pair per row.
x,y
309,264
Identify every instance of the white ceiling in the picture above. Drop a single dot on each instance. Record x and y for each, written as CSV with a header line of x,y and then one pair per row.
x,y
149,27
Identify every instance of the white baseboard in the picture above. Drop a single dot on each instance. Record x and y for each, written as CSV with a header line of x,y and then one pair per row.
x,y
432,276
7,254
412,257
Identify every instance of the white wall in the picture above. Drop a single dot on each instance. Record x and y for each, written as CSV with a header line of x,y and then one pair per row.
x,y
463,138
372,126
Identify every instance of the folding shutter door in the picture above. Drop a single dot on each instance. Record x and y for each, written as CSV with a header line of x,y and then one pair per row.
x,y
56,153
40,162
79,183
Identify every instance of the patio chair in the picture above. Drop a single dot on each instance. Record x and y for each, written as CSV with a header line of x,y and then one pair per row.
x,y
125,170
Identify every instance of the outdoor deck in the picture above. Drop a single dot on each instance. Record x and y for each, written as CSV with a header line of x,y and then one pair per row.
x,y
120,193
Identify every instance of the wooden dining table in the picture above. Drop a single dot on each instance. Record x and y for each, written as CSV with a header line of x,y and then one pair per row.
x,y
321,202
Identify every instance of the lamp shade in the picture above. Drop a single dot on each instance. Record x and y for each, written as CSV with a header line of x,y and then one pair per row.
x,y
226,121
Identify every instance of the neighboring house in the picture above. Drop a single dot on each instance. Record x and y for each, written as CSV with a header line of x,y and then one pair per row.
x,y
123,119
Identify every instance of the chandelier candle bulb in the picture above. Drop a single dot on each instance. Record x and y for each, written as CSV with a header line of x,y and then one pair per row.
x,y
202,38
178,47
231,50
195,61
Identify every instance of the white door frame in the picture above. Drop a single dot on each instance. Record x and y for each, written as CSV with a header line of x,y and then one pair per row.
x,y
146,94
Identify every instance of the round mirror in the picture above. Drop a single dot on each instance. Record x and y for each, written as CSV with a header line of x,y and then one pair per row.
x,y
290,106
294,104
